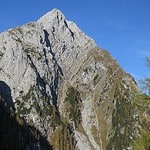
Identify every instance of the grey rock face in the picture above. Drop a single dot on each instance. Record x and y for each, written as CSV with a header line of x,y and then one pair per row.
x,y
41,60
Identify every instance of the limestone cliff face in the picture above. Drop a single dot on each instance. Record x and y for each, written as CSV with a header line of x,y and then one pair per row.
x,y
73,92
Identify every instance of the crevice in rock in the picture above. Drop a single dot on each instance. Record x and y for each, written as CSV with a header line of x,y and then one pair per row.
x,y
39,80
48,45
72,34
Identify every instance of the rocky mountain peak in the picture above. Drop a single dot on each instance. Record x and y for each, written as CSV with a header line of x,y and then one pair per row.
x,y
54,17
67,88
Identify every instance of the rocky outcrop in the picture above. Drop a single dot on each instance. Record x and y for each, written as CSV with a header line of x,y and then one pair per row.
x,y
66,87
14,132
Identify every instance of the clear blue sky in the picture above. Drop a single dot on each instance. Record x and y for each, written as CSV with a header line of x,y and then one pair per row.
x,y
120,26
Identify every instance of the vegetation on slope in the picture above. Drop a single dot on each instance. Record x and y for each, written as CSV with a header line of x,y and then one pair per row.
x,y
73,105
122,121
141,103
62,138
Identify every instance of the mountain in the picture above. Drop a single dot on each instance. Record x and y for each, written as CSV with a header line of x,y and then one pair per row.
x,y
67,91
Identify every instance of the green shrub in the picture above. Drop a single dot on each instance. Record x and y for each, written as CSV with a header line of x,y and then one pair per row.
x,y
142,143
71,95
73,101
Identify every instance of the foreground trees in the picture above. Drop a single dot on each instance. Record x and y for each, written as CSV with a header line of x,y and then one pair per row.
x,y
145,82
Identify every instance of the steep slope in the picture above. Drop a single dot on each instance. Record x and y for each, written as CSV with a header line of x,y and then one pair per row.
x,y
74,93
14,132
